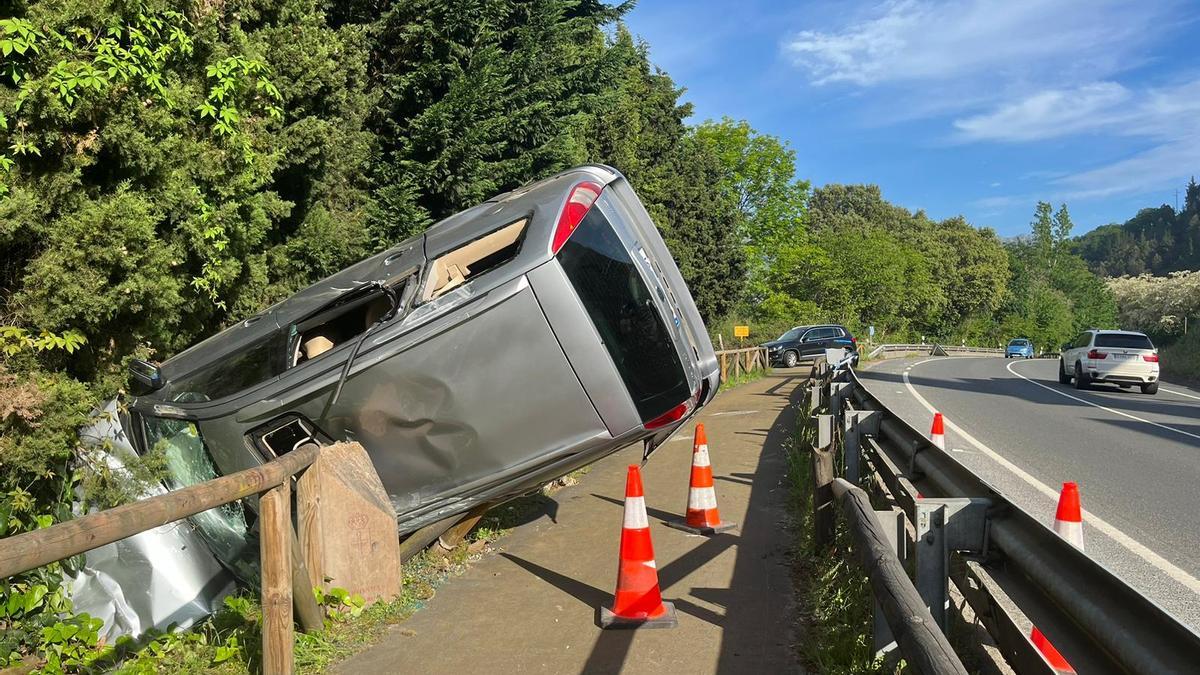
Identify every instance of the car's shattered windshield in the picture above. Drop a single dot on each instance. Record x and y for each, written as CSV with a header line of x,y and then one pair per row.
x,y
188,462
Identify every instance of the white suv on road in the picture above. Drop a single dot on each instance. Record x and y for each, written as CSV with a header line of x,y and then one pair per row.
x,y
1117,357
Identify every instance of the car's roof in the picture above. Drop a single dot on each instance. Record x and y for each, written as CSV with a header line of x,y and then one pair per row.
x,y
1116,332
819,325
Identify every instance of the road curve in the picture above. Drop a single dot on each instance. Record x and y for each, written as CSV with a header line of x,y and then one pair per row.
x,y
1135,456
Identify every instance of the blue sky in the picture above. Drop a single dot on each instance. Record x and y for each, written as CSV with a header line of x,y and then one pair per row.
x,y
972,107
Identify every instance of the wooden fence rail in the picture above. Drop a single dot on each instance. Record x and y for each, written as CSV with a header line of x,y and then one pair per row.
x,y
745,360
272,481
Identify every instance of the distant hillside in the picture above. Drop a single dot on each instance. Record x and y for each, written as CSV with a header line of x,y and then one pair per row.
x,y
1155,241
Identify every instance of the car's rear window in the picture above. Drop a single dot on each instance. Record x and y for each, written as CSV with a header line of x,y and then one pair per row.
x,y
1123,341
1018,343
623,310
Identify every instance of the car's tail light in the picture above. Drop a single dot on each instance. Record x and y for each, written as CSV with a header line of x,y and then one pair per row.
x,y
1094,354
673,415
853,340
677,413
1152,358
578,202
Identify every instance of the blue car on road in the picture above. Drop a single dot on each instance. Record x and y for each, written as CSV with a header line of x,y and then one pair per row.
x,y
1019,348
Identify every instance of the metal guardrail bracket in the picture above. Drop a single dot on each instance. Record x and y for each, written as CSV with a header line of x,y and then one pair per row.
x,y
855,425
942,526
893,522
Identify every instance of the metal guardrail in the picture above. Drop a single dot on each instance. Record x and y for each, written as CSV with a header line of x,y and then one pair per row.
x,y
929,349
1011,568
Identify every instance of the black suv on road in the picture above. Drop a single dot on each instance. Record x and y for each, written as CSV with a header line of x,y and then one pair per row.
x,y
805,343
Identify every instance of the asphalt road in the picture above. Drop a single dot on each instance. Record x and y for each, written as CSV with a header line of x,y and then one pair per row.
x,y
1136,457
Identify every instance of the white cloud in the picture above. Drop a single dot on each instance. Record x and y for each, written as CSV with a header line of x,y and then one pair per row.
x,y
1102,107
1168,164
1021,71
903,41
1167,117
1049,114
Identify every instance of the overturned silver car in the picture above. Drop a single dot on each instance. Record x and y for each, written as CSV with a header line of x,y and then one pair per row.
x,y
507,345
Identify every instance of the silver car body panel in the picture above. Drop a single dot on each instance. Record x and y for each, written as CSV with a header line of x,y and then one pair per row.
x,y
475,396
150,581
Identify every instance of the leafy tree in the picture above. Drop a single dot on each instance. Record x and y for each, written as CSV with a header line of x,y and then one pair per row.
x,y
761,177
1156,240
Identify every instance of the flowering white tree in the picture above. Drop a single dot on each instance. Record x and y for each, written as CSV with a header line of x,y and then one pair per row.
x,y
1158,304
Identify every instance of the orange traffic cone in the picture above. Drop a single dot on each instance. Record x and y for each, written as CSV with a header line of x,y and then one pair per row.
x,y
1068,519
938,433
702,514
638,602
1056,660
1068,524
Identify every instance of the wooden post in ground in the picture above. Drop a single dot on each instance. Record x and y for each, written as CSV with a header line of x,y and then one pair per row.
x,y
308,613
275,531
737,364
347,524
822,471
724,368
452,537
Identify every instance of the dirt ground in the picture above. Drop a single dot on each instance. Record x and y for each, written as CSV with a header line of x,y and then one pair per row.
x,y
533,606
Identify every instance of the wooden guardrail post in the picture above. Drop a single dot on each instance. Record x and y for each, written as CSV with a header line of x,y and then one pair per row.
x,y
275,531
308,613
823,477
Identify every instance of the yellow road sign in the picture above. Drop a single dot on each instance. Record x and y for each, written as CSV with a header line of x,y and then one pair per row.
x,y
741,331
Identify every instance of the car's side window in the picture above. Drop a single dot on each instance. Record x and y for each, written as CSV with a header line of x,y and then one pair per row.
x,y
809,336
457,267
346,320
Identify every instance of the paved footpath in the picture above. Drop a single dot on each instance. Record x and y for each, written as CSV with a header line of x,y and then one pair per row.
x,y
532,607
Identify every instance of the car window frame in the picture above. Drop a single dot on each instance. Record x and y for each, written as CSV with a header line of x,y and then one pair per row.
x,y
418,299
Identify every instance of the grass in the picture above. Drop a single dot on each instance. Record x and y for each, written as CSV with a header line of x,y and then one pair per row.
x,y
832,591
744,378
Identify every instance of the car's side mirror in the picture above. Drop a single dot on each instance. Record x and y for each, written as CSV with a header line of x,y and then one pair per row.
x,y
145,377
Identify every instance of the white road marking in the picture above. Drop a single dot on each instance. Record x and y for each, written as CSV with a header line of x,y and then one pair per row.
x,y
1179,393
1097,405
1129,543
734,412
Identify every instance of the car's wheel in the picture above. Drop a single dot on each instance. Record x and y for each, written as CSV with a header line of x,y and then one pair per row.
x,y
1081,380
1063,377
790,359
1151,388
